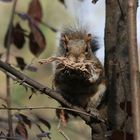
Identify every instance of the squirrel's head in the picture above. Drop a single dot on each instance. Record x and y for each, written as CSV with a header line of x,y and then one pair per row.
x,y
77,50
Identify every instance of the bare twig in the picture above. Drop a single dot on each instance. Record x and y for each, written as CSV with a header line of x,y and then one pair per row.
x,y
63,134
7,76
44,107
45,90
133,60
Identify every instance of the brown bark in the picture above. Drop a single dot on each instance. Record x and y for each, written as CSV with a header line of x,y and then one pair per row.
x,y
117,66
134,67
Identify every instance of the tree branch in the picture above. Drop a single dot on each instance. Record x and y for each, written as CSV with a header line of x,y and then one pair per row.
x,y
47,91
45,107
134,67
10,28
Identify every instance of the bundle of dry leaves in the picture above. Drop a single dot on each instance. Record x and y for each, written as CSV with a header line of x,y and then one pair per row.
x,y
88,67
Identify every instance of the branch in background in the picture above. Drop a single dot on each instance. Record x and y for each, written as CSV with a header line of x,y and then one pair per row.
x,y
25,16
134,67
63,134
44,107
8,43
23,79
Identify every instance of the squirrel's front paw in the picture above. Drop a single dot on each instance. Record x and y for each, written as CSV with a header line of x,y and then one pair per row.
x,y
94,102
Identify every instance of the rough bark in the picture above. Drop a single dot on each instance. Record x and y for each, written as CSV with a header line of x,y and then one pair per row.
x,y
117,66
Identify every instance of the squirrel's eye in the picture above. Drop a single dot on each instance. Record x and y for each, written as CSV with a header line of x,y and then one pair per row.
x,y
66,49
86,49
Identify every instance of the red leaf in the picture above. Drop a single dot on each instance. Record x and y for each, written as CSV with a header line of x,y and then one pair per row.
x,y
37,41
63,116
18,36
35,10
21,131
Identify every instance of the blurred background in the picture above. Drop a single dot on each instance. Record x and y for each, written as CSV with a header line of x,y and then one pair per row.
x,y
54,15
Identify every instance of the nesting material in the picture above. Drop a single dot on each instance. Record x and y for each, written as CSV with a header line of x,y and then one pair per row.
x,y
89,68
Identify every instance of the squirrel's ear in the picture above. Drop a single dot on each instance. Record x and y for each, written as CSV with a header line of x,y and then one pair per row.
x,y
88,38
64,38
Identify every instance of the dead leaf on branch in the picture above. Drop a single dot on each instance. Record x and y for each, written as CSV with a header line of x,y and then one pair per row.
x,y
35,11
37,42
22,65
17,36
21,131
63,116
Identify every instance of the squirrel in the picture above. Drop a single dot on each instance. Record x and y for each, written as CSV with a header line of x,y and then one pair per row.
x,y
77,44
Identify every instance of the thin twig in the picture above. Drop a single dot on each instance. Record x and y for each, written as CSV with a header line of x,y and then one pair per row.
x,y
44,107
7,76
134,67
63,134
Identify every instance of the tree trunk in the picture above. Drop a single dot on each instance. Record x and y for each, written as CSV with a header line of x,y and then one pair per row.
x,y
117,68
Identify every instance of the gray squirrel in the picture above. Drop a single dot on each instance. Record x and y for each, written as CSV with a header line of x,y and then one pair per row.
x,y
78,44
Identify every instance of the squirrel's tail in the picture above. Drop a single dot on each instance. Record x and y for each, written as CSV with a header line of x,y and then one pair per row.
x,y
91,16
